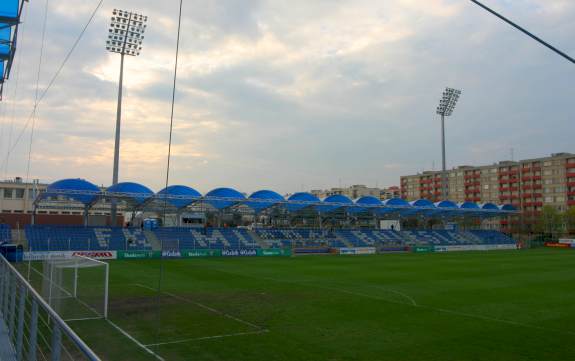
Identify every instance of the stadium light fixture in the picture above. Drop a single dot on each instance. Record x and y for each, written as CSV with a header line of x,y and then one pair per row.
x,y
125,37
445,109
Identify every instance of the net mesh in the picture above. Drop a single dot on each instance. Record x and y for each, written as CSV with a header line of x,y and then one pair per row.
x,y
76,288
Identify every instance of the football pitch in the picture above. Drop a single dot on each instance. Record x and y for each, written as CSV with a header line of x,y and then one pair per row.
x,y
505,305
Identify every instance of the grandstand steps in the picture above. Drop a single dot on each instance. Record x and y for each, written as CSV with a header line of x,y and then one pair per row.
x,y
344,241
261,242
153,240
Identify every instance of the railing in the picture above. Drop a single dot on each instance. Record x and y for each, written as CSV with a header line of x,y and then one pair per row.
x,y
34,330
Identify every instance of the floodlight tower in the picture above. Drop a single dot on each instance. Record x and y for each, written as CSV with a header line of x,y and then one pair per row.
x,y
125,37
445,109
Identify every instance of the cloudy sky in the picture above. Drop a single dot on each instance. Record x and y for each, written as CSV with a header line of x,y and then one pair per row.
x,y
291,94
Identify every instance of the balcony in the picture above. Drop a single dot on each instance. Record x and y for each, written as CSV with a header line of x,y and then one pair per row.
x,y
527,178
525,170
571,193
514,180
570,175
571,202
503,181
570,165
537,186
504,197
527,186
570,184
536,169
536,177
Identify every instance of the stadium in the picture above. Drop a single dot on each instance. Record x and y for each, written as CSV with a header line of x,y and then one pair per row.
x,y
133,271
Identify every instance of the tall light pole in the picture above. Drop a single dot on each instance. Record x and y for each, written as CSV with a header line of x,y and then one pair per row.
x,y
125,37
445,109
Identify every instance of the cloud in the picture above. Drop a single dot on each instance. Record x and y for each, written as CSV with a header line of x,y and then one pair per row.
x,y
276,94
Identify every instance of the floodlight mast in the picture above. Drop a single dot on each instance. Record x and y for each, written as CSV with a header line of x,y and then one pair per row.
x,y
125,37
445,109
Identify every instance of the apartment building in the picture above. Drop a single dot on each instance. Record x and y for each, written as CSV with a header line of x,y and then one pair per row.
x,y
358,191
528,184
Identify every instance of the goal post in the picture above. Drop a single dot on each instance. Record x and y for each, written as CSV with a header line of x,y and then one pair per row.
x,y
76,287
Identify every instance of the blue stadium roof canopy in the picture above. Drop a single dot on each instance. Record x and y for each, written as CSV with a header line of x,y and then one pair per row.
x,y
334,202
263,199
10,11
180,196
221,198
136,192
78,190
298,201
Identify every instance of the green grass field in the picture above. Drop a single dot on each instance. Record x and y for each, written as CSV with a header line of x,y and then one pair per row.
x,y
506,305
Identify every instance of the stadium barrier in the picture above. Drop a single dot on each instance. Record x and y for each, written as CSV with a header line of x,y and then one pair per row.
x,y
356,250
29,328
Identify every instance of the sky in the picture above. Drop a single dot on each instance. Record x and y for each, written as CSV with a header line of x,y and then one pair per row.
x,y
289,95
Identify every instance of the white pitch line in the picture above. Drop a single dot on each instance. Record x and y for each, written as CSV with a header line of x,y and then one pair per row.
x,y
141,345
209,337
247,323
470,315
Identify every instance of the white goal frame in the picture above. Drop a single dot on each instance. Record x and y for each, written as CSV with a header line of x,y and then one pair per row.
x,y
73,263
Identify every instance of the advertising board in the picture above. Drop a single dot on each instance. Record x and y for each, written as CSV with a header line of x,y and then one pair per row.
x,y
273,252
40,256
475,247
139,254
392,249
356,250
239,252
567,240
557,245
422,249
192,253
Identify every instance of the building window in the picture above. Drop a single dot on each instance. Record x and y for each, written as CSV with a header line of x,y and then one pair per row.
x,y
8,193
548,199
547,164
19,192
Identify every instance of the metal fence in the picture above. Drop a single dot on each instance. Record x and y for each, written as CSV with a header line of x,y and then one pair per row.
x,y
31,329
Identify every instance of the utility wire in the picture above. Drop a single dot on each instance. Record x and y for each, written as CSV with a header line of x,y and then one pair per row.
x,y
526,32
161,275
37,91
11,147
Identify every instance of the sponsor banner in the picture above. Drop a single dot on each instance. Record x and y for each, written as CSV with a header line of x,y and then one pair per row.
x,y
572,245
192,253
557,245
139,254
239,252
474,247
311,250
567,241
422,249
357,250
273,252
392,249
40,256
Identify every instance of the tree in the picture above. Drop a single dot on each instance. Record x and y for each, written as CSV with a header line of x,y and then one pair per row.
x,y
550,221
569,219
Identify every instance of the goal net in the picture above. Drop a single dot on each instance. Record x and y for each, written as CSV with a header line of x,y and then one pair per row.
x,y
76,288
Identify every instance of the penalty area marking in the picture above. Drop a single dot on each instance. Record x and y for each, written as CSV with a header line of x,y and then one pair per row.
x,y
247,323
141,345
